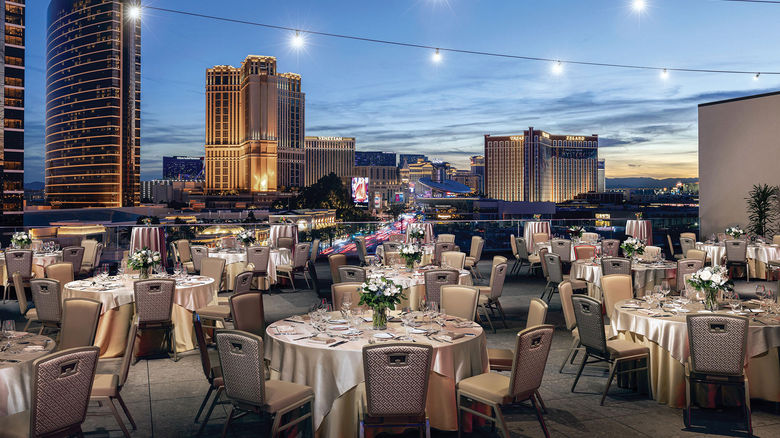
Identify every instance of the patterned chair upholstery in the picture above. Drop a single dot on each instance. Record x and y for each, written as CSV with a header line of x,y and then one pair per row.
x,y
248,313
79,322
459,301
590,237
47,296
285,242
315,250
389,247
90,253
153,307
73,255
243,282
610,248
334,261
396,238
298,265
344,290
562,247
62,272
198,253
736,255
439,248
475,255
616,265
538,238
501,359
17,260
584,252
352,274
437,278
685,267
24,306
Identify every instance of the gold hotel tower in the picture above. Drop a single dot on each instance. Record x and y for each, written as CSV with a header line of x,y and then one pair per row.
x,y
254,127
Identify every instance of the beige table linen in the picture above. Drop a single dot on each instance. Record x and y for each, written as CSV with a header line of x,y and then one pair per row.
x,y
667,339
758,256
281,256
645,276
335,373
16,377
413,282
427,257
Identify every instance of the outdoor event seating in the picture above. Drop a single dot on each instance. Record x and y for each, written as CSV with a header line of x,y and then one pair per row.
x,y
436,279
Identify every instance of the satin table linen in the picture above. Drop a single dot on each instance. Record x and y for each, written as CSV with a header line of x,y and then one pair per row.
x,y
427,257
40,262
281,256
758,256
667,338
645,276
283,230
117,296
414,282
336,373
16,369
427,231
641,229
533,227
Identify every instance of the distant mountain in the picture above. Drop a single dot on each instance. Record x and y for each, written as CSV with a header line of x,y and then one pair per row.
x,y
645,183
35,185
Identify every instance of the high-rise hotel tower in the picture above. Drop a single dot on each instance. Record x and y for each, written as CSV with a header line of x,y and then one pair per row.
x,y
254,127
12,114
93,104
540,167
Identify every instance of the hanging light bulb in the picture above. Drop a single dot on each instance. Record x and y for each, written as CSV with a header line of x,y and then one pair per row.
x,y
436,56
297,40
755,78
639,5
664,74
134,12
557,68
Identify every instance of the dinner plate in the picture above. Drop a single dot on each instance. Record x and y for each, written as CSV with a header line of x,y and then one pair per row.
x,y
337,321
339,327
417,331
383,336
704,311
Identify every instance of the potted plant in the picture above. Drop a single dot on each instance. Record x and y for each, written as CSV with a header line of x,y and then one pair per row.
x,y
575,231
143,259
411,253
761,208
380,294
710,280
21,240
632,247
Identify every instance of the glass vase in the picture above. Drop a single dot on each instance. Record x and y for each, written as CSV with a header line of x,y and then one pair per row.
x,y
143,274
380,318
711,300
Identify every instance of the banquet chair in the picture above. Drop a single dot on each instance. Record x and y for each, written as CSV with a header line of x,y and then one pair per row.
x,y
209,361
610,248
61,383
691,236
445,238
88,262
736,255
500,359
315,250
538,238
185,254
617,265
545,274
24,308
590,237
453,259
556,277
352,274
489,295
17,260
344,290
776,239
397,377
62,272
285,242
534,260
153,308
389,247
651,252
440,247
515,253
73,255
334,261
315,282
685,267
718,346
435,279
248,313
475,255
396,238
687,244
241,357
496,390
198,253
562,247
722,237
47,296
584,252
614,288
616,352
106,388
697,254
79,322
259,257
459,301
362,252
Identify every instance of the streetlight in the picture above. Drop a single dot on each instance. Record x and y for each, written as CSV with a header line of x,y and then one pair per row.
x,y
436,56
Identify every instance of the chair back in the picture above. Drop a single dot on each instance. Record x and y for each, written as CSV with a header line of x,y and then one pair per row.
x,y
615,287
459,301
200,338
396,378
154,300
61,387
248,313
243,282
174,252
20,260
531,351
213,267
124,367
691,236
258,256
352,274
562,247
285,242
475,250
513,245
685,267
584,252
435,279
79,322
98,254
334,261
396,238
62,272
554,268
542,254
497,277
360,248
183,249
736,251
453,259
445,238
73,255
540,237
537,312
610,248
565,291
349,290
47,296
243,370
651,252
522,248
686,244
718,343
590,324
670,244
21,296
315,250
301,255
590,237
776,239
90,251
198,253
389,247
616,265
696,254
439,248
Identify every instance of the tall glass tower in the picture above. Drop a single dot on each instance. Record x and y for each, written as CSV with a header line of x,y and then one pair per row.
x,y
12,114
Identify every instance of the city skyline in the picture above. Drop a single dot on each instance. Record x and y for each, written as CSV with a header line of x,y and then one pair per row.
x,y
647,126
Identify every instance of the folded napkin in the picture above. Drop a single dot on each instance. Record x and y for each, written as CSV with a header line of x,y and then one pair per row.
x,y
322,339
451,336
283,329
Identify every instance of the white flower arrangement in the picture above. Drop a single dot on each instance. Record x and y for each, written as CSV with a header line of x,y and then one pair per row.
x,y
575,231
735,232
710,280
411,253
379,291
20,239
246,237
415,233
143,259
632,246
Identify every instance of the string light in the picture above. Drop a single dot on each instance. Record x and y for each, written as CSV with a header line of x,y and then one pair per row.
x,y
639,5
436,56
664,74
297,40
755,78
134,12
557,68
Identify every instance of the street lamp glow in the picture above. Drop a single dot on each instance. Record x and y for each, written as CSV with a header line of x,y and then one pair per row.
x,y
639,5
134,12
664,74
297,40
436,56
755,78
557,68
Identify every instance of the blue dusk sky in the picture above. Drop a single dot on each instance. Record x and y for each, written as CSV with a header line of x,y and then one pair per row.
x,y
396,99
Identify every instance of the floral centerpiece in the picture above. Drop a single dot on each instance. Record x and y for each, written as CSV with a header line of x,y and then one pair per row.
x,y
380,294
143,259
632,246
735,232
575,231
415,233
639,215
246,237
411,253
20,239
710,280
147,221
537,217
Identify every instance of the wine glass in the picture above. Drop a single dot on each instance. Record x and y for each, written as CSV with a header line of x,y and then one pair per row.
x,y
734,302
684,297
9,326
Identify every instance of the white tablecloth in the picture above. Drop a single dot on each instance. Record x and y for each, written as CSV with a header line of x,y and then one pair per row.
x,y
762,253
277,257
533,227
283,230
414,282
16,377
641,229
427,230
645,276
149,237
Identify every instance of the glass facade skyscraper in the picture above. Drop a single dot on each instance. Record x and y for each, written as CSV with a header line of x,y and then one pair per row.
x,y
12,115
183,168
366,158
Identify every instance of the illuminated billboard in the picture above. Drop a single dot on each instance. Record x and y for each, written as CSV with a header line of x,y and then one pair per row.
x,y
360,190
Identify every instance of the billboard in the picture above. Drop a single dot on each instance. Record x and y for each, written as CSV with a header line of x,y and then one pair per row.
x,y
360,190
377,200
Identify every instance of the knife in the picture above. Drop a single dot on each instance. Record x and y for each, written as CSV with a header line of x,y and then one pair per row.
x,y
304,337
292,320
338,343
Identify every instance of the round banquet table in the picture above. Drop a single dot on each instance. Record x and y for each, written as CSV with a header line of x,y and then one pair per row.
x,y
16,369
427,257
40,262
537,247
235,263
645,276
533,227
413,282
148,237
336,373
117,296
641,229
667,338
758,255
427,231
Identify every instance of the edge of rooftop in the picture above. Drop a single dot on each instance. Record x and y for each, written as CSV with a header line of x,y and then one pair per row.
x,y
737,99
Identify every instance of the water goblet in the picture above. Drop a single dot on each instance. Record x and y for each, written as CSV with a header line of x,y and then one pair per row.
x,y
734,302
9,326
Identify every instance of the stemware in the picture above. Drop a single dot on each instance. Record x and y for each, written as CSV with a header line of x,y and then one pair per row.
x,y
9,326
734,302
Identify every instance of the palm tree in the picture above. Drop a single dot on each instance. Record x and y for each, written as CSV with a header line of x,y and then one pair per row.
x,y
761,206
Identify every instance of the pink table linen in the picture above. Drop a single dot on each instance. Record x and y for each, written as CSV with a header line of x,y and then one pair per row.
x,y
149,237
531,228
641,229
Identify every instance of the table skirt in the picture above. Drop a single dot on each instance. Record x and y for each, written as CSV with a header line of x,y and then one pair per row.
x,y
15,388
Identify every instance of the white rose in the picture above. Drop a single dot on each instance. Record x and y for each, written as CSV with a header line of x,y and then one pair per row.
x,y
156,258
705,275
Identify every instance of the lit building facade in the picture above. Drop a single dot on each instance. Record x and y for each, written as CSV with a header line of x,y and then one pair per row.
x,y
182,168
602,184
371,158
421,169
540,167
12,134
93,104
405,159
325,155
254,127
478,168
383,181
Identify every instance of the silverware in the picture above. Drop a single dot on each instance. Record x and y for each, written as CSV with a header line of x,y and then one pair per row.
x,y
758,320
304,337
443,340
338,343
292,320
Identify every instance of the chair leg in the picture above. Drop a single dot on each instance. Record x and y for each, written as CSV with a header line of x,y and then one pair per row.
x,y
484,311
306,279
118,418
126,411
227,423
541,402
579,373
211,408
574,344
539,415
203,404
501,311
291,276
172,338
687,409
649,378
612,371
501,421
746,407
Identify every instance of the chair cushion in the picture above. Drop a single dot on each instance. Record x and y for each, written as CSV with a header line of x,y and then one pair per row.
x,y
484,289
576,284
190,266
622,348
223,301
483,299
533,258
214,312
470,261
105,385
285,268
500,358
32,314
16,425
280,394
492,387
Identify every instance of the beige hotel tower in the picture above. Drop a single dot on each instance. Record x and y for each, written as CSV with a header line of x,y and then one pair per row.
x,y
254,127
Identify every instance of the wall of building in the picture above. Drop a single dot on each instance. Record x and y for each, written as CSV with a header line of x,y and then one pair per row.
x,y
738,147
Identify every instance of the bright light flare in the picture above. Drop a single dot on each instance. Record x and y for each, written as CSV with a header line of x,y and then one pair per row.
x,y
557,68
639,5
436,56
297,40
664,74
134,12
755,78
